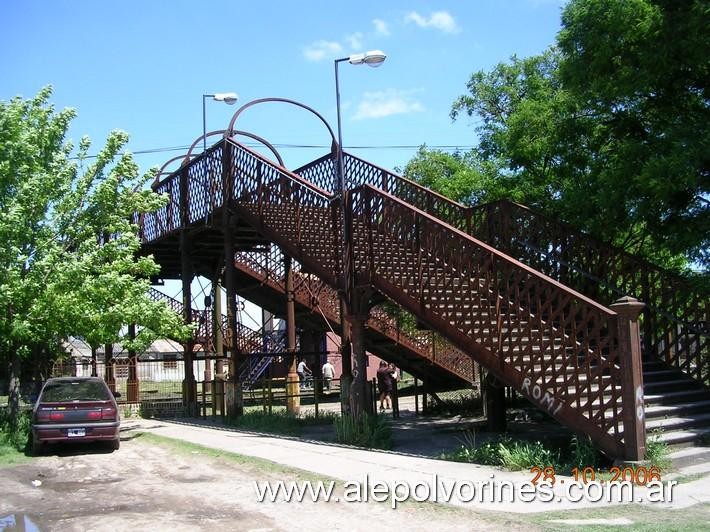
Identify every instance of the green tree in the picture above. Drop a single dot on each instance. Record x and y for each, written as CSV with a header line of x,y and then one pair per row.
x,y
68,244
608,130
453,175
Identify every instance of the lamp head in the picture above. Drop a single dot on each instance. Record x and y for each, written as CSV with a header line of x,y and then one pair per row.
x,y
230,98
373,58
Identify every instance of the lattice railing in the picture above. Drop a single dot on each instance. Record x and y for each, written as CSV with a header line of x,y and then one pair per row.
x,y
557,346
317,295
676,319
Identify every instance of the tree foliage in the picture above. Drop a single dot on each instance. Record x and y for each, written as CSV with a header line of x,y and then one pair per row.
x,y
68,246
608,129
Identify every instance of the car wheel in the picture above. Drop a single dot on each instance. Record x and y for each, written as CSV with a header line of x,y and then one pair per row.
x,y
116,444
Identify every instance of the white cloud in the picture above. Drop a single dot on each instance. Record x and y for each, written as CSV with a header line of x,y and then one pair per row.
x,y
319,50
389,102
354,40
440,20
381,27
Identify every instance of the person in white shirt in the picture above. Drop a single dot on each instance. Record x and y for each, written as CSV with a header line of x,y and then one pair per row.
x,y
328,374
303,371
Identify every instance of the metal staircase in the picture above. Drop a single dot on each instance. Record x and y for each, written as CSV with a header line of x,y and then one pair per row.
x,y
573,357
255,345
674,321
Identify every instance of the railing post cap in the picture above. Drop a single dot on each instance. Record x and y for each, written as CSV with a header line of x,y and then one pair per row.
x,y
627,306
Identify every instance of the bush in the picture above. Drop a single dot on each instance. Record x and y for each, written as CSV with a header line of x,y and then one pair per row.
x,y
510,454
519,455
657,451
279,421
369,431
16,437
582,453
463,403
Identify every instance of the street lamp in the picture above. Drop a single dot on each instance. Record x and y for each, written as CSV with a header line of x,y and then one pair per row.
x,y
230,98
373,58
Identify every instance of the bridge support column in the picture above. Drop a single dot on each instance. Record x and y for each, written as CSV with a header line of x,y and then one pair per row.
x,y
360,402
346,363
233,388
188,384
628,310
293,390
217,327
494,403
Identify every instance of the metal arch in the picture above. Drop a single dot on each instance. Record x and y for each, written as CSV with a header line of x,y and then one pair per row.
x,y
238,132
162,168
230,129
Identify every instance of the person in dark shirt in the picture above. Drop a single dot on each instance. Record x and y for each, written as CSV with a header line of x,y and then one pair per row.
x,y
384,385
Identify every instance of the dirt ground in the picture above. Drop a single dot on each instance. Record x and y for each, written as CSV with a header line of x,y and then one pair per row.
x,y
152,486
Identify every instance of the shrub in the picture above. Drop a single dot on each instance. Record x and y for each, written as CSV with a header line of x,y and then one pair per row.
x,y
369,431
657,451
519,455
15,437
279,421
582,453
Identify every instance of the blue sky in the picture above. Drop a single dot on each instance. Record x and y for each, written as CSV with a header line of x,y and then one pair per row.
x,y
142,66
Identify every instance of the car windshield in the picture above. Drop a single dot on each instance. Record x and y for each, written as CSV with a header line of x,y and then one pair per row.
x,y
79,390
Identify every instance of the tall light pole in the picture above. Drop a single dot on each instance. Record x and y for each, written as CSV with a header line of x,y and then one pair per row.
x,y
230,98
353,390
373,58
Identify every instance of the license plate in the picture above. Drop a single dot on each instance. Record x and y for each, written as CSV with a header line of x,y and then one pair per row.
x,y
76,433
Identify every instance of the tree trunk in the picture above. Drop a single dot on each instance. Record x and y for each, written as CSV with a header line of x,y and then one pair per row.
x,y
14,389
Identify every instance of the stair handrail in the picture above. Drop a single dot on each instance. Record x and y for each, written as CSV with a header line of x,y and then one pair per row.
x,y
594,330
681,341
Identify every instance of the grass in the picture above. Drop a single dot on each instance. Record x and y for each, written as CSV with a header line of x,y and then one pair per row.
x,y
14,442
657,451
643,518
517,455
280,421
250,462
464,403
370,431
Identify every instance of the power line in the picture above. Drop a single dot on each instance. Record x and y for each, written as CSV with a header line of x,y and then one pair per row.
x,y
167,149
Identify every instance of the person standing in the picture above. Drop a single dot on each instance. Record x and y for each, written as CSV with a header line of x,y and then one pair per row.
x,y
328,371
394,377
384,385
303,371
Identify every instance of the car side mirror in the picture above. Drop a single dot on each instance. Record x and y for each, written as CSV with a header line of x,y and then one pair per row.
x,y
116,394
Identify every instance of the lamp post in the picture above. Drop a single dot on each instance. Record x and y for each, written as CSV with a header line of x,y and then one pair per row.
x,y
373,58
230,98
353,390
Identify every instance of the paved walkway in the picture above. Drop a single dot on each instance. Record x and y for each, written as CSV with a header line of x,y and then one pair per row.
x,y
448,482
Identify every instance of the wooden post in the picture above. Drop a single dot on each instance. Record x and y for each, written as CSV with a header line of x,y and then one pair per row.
x,y
628,310
108,368
358,392
132,384
293,401
346,376
188,385
416,396
494,403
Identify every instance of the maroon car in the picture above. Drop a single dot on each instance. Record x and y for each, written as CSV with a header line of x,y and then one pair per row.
x,y
76,409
